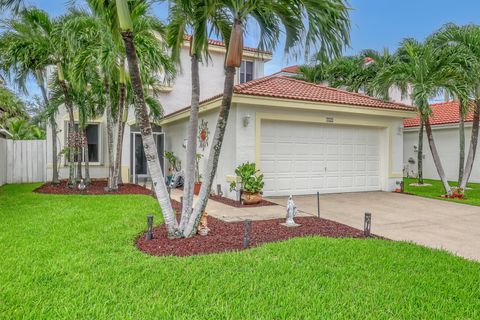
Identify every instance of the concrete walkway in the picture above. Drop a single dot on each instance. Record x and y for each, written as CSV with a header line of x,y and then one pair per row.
x,y
232,214
433,223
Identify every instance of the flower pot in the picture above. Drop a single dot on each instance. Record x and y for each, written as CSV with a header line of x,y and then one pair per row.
x,y
251,198
196,188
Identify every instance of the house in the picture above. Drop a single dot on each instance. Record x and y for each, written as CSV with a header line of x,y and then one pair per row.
x,y
174,95
304,137
444,120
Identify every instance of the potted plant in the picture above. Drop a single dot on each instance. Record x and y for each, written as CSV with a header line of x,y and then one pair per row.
x,y
198,176
251,183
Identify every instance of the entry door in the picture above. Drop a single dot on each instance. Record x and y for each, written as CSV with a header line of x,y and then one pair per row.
x,y
303,158
139,161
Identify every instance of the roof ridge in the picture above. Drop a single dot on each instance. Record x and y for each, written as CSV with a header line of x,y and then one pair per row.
x,y
249,84
345,91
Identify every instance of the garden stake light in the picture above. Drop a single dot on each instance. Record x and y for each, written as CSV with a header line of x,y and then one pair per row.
x,y
149,235
246,233
367,224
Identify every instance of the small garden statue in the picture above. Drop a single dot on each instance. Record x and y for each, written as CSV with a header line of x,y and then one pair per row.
x,y
291,213
82,185
203,226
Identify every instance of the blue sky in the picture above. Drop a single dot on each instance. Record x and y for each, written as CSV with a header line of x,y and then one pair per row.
x,y
376,24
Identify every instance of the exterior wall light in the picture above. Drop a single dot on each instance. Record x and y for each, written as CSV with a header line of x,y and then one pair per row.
x,y
246,119
400,130
185,141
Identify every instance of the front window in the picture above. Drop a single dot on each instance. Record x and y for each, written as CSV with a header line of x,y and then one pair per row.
x,y
246,71
92,132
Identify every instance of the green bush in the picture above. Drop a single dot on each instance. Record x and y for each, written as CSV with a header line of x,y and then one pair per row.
x,y
250,178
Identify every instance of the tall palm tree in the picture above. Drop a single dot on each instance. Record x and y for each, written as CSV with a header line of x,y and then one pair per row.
x,y
126,28
427,71
191,17
466,38
25,50
322,22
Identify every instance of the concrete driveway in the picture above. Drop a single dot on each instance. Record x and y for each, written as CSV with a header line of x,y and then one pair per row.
x,y
433,223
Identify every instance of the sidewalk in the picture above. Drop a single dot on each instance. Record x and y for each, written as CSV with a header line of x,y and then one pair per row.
x,y
232,214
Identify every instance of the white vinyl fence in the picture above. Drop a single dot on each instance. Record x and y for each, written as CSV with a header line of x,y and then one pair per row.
x,y
23,161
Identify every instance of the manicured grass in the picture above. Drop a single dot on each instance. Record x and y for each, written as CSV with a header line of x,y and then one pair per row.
x,y
73,257
434,191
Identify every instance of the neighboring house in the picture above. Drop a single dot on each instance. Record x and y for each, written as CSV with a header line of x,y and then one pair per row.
x,y
175,95
444,120
304,137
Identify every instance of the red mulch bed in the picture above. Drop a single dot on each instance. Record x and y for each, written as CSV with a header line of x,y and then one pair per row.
x,y
95,187
228,236
238,204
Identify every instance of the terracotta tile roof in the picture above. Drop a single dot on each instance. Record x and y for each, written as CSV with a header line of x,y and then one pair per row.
x,y
290,69
442,113
219,43
289,88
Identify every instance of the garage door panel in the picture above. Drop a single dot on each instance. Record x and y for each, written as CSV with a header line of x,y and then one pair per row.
x,y
303,158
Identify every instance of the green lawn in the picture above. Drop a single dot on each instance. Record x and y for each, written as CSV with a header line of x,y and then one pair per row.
x,y
434,191
73,257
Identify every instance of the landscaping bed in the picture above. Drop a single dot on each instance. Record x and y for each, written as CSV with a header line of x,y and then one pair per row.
x,y
95,187
238,204
228,236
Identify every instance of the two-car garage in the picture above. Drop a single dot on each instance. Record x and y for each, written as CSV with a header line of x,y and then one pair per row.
x,y
303,158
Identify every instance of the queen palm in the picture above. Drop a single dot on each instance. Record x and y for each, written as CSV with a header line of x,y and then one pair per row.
x,y
26,48
465,38
427,71
322,22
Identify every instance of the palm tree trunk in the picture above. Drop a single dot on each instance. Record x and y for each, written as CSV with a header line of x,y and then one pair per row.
x,y
473,146
117,177
109,136
53,125
436,158
71,124
211,169
79,159
420,153
149,146
461,165
191,145
87,161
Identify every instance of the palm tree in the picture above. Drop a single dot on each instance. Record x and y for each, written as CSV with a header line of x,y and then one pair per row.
x,y
466,38
126,28
322,22
25,48
191,16
427,71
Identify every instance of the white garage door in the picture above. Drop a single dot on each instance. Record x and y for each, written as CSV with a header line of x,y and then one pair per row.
x,y
303,158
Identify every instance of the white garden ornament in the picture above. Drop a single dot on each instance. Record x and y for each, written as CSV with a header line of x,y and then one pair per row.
x,y
291,213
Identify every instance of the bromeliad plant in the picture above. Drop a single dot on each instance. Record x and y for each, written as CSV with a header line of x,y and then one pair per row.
x,y
250,179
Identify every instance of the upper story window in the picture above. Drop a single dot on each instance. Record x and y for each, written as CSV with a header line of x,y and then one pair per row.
x,y
246,71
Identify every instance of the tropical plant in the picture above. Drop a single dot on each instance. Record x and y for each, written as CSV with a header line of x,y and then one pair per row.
x,y
20,129
127,31
194,17
11,106
198,175
467,39
249,178
323,22
428,71
173,160
26,50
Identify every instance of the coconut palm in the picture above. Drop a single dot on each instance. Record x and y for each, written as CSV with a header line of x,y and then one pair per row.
x,y
467,38
11,106
322,22
427,71
25,50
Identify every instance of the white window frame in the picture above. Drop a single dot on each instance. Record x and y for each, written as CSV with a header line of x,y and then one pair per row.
x,y
244,63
